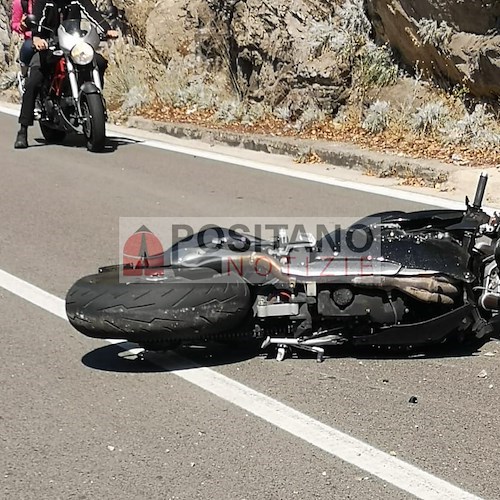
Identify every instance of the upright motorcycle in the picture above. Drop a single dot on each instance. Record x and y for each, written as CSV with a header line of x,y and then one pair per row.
x,y
71,99
434,279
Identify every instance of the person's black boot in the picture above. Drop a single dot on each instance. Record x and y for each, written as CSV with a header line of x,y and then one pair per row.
x,y
22,138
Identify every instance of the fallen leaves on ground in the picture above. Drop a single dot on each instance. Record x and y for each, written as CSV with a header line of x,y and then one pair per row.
x,y
401,143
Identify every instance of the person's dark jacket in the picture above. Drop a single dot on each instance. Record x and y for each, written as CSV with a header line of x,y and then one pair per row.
x,y
48,14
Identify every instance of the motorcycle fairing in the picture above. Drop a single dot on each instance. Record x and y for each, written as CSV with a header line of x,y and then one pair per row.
x,y
436,253
398,251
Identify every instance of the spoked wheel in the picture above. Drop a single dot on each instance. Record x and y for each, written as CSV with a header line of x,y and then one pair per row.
x,y
52,135
94,125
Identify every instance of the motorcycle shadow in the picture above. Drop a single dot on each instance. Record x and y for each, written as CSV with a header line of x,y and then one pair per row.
x,y
448,349
114,357
79,141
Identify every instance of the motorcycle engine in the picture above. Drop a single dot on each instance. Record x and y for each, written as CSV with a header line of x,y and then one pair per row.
x,y
296,314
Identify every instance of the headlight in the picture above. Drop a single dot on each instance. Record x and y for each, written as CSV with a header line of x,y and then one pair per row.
x,y
82,53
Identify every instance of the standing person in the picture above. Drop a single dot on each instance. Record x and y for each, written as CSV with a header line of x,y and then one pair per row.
x,y
20,11
48,14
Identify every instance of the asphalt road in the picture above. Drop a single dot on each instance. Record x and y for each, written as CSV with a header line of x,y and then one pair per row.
x,y
77,421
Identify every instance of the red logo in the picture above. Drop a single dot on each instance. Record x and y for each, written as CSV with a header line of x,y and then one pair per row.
x,y
142,253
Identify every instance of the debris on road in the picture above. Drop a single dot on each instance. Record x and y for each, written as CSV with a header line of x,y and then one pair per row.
x,y
482,374
413,400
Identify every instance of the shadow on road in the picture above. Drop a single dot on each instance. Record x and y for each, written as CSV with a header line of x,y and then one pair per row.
x,y
113,357
79,141
450,349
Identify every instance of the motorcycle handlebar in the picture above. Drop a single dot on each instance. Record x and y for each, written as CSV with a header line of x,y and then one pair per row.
x,y
480,189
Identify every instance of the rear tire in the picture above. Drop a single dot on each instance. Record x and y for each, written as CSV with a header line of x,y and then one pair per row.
x,y
195,304
94,126
52,135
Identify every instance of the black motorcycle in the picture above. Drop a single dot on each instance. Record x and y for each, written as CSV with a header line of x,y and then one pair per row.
x,y
71,99
434,278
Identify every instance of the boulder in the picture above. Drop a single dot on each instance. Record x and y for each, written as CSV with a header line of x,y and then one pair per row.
x,y
455,41
267,49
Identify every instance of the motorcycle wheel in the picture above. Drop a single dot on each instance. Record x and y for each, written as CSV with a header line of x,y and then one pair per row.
x,y
52,135
94,126
191,305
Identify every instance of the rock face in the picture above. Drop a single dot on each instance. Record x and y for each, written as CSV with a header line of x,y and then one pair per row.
x,y
265,46
457,41
272,50
4,32
295,49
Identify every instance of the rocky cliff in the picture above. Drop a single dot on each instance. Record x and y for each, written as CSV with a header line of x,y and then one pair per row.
x,y
286,49
455,41
5,35
294,45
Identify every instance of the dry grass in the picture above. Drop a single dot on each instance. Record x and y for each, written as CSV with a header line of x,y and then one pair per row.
x,y
404,143
130,73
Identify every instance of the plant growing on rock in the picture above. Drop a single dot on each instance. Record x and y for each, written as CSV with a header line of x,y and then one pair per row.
x,y
430,32
429,118
477,129
375,67
342,34
377,117
236,111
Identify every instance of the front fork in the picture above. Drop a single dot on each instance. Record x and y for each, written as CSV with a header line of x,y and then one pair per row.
x,y
76,91
73,84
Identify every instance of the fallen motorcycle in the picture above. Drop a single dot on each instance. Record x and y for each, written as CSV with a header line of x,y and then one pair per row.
x,y
435,279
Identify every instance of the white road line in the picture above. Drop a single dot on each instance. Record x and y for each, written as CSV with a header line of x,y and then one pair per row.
x,y
349,449
286,171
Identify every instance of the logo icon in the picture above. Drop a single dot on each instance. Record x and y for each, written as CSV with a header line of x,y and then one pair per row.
x,y
142,252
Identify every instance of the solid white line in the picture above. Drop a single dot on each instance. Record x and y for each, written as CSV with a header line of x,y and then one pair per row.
x,y
33,294
405,476
288,172
305,176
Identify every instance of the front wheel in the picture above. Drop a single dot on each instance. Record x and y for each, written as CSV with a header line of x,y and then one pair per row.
x,y
94,124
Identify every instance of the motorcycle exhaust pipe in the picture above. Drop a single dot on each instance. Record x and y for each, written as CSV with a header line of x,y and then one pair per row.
x,y
434,289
